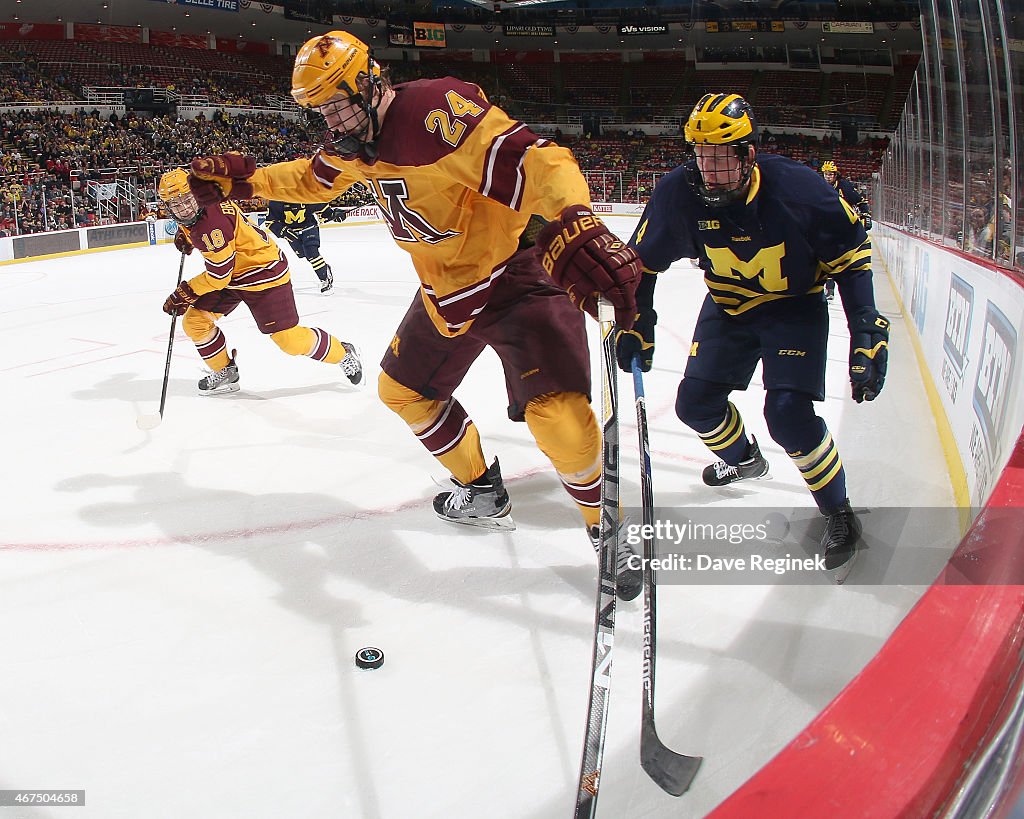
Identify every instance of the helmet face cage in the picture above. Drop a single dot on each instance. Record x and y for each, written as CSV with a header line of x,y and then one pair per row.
x,y
720,173
351,119
336,75
175,192
719,134
830,171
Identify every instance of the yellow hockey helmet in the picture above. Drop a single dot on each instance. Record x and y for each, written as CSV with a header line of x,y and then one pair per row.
x,y
828,166
173,184
721,119
175,192
721,126
330,63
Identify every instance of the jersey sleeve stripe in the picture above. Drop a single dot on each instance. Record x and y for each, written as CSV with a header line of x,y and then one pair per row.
x,y
323,171
503,165
221,270
851,257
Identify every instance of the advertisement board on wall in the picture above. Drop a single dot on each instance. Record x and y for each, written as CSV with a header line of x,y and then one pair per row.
x,y
117,235
39,244
428,35
521,30
839,27
969,331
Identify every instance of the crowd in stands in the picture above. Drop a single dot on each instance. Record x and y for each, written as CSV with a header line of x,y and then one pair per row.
x,y
58,156
51,160
53,166
635,92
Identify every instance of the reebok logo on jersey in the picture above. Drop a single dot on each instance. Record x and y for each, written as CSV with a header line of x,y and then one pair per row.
x,y
708,224
528,373
740,238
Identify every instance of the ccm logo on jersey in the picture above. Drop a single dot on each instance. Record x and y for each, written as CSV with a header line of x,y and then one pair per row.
x,y
800,353
708,224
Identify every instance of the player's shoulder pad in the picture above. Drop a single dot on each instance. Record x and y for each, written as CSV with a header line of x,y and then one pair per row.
x,y
218,217
420,97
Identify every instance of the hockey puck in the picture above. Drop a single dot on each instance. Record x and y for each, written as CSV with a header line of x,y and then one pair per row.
x,y
369,657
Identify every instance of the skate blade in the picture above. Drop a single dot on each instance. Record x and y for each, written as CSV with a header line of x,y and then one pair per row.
x,y
840,573
230,388
504,523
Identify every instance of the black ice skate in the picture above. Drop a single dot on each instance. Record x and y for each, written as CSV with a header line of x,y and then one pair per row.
x,y
753,466
222,381
484,502
326,280
839,543
350,364
630,581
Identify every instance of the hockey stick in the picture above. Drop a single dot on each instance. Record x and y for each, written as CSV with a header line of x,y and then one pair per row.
x,y
671,771
152,420
604,617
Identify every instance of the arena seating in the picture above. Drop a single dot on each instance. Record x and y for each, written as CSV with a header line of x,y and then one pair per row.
x,y
66,153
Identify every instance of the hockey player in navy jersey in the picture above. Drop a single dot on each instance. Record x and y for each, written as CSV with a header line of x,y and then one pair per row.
x,y
299,225
846,189
767,232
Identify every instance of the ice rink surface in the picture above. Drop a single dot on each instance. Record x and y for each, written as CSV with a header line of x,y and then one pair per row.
x,y
179,609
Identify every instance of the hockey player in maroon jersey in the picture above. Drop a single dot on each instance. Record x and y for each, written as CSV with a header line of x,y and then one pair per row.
x,y
480,202
242,264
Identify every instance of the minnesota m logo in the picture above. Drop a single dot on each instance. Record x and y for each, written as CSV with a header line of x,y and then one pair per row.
x,y
405,223
765,266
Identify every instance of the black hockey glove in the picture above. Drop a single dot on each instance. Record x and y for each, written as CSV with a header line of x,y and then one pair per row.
x,y
869,353
637,342
866,220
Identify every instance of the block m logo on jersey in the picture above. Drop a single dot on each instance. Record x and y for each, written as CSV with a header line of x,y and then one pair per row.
x,y
293,216
406,225
765,267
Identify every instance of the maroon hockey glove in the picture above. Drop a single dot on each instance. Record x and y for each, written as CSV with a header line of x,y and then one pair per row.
x,y
180,300
588,261
221,176
231,165
181,241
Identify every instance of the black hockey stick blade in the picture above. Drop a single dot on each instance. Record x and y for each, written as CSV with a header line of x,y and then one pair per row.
x,y
672,772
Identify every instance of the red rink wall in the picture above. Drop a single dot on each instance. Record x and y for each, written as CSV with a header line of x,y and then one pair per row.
x,y
899,739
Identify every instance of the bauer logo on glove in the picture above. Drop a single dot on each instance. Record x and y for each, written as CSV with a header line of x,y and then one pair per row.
x,y
180,300
588,261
